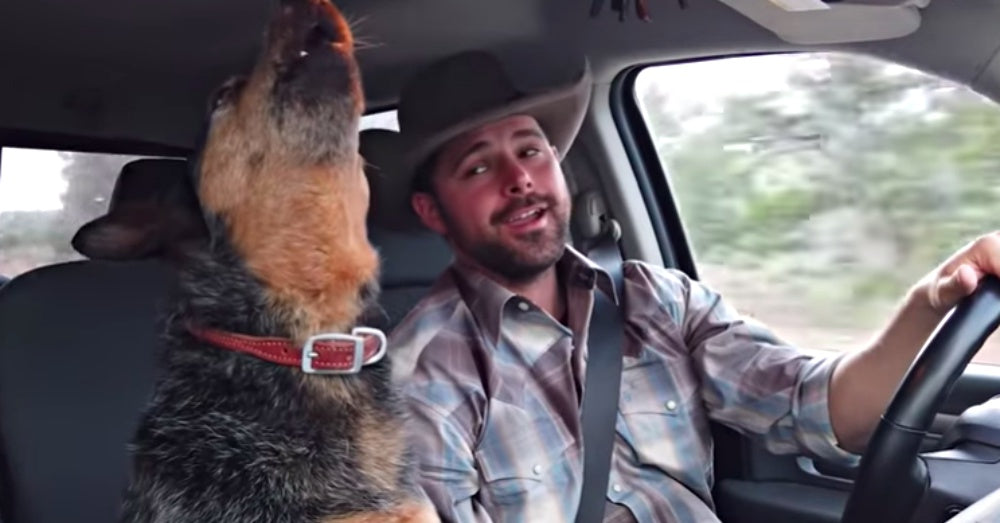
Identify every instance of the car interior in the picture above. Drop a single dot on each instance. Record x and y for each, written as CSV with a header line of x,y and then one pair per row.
x,y
134,78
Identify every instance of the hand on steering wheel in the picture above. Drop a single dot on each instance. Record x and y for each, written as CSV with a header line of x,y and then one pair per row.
x,y
892,477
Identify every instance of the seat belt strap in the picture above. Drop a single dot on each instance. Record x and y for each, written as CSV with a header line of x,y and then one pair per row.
x,y
605,343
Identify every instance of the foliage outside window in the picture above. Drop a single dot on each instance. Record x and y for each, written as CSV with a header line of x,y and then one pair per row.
x,y
45,196
816,188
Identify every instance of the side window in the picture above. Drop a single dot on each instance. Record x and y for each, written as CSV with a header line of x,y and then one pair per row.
x,y
45,196
816,188
380,120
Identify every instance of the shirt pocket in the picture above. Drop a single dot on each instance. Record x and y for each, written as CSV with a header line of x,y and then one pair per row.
x,y
522,459
665,424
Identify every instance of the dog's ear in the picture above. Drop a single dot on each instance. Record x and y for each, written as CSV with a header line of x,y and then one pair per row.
x,y
115,237
226,94
135,232
153,211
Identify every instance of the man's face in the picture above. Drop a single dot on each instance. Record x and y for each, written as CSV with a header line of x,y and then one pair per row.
x,y
500,198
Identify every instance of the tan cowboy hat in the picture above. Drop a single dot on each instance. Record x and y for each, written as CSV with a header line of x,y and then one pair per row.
x,y
470,89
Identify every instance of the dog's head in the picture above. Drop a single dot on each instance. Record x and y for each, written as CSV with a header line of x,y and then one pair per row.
x,y
299,107
279,176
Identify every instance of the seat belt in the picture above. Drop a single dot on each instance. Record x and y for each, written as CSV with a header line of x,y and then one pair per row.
x,y
605,343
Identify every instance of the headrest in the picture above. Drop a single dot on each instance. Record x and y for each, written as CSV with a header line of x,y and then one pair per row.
x,y
382,150
412,255
152,207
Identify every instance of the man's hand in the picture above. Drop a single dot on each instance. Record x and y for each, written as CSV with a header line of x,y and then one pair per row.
x,y
864,381
959,276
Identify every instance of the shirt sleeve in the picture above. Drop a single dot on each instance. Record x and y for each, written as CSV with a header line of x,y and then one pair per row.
x,y
751,381
448,474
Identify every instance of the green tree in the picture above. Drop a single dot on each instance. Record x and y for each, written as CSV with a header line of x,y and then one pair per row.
x,y
857,168
90,179
44,236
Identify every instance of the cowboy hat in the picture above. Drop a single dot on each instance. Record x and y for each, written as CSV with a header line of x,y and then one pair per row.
x,y
465,91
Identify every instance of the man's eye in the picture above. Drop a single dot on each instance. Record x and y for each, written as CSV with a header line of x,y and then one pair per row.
x,y
531,151
476,169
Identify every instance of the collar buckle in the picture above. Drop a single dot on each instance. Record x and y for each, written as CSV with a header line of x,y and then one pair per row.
x,y
356,338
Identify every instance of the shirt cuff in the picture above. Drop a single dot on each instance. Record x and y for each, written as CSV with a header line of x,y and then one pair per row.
x,y
814,427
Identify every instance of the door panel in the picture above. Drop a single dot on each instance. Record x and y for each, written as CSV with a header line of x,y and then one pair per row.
x,y
769,488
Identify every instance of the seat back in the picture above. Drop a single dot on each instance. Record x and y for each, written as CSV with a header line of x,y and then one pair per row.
x,y
76,368
411,263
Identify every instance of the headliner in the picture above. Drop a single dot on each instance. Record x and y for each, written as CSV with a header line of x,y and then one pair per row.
x,y
142,71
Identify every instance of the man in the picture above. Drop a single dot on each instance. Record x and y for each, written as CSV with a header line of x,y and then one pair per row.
x,y
493,359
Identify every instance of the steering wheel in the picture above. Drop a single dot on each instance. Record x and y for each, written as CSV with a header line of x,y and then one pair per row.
x,y
892,477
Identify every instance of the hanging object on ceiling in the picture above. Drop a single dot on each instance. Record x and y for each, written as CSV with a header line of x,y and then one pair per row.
x,y
622,7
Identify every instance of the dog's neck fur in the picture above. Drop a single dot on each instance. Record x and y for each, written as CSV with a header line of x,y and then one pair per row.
x,y
218,290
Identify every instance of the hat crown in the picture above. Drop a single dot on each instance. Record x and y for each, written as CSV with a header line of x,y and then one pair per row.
x,y
451,90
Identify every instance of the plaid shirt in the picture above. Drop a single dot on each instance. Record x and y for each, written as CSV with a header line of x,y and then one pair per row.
x,y
495,386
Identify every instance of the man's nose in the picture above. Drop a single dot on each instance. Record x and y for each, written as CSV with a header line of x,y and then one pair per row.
x,y
517,180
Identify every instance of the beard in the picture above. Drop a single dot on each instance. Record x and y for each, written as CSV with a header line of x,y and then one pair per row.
x,y
530,255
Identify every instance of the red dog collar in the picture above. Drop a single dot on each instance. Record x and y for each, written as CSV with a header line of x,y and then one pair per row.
x,y
322,354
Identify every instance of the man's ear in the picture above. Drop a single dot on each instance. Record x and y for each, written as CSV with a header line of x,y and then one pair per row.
x,y
427,209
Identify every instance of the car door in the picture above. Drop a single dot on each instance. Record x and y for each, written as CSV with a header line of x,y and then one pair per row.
x,y
812,190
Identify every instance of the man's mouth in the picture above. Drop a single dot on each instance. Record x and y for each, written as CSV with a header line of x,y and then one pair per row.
x,y
526,218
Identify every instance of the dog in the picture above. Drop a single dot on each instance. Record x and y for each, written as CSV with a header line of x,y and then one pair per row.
x,y
272,404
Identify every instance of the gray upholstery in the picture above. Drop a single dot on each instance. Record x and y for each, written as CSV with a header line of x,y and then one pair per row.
x,y
383,153
75,368
411,262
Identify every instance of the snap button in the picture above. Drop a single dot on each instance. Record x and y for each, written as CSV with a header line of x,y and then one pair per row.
x,y
671,405
616,487
523,306
537,469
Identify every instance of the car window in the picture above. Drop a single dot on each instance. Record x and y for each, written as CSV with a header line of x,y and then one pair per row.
x,y
380,120
45,196
816,188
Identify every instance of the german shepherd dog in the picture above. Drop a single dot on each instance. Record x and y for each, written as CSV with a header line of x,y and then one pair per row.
x,y
272,406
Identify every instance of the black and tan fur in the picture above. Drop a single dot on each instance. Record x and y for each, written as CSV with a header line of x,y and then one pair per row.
x,y
231,438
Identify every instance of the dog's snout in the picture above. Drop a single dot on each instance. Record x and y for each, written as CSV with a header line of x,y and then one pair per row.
x,y
323,32
310,24
328,29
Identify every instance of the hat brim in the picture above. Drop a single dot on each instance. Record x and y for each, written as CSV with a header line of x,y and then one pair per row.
x,y
559,112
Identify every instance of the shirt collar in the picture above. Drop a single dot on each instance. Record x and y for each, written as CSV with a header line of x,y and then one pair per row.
x,y
487,299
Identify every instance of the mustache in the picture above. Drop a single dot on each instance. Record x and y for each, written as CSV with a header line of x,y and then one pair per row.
x,y
519,203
